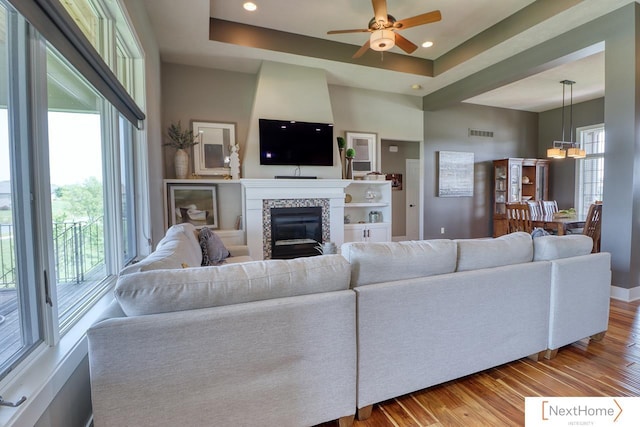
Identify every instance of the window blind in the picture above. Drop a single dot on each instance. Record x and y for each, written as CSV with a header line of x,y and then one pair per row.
x,y
51,19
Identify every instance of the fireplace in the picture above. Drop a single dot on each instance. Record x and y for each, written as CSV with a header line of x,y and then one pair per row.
x,y
295,231
261,195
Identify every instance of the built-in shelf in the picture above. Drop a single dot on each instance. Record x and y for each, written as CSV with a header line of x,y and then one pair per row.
x,y
366,205
357,211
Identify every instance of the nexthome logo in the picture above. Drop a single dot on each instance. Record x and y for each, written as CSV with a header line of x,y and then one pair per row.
x,y
582,411
550,410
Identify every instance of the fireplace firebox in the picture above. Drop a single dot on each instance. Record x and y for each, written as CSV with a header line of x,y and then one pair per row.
x,y
295,231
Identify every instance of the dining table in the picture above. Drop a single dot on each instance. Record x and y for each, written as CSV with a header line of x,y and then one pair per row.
x,y
558,223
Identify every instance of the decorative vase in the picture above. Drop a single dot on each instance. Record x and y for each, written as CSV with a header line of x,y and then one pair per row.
x,y
343,163
181,162
349,172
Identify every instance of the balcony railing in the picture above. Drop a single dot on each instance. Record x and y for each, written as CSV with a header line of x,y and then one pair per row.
x,y
7,257
78,247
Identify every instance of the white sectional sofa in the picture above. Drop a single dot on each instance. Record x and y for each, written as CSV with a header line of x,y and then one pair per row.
x,y
241,344
180,248
433,311
304,341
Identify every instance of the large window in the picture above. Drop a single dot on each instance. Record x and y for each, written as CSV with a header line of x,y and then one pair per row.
x,y
590,170
76,146
67,180
20,315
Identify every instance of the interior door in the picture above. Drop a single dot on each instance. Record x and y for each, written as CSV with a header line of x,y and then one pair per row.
x,y
412,188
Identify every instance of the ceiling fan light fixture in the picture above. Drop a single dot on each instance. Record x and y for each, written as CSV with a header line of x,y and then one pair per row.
x,y
382,40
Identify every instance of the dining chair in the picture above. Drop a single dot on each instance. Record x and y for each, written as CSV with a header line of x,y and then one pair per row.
x,y
518,218
535,208
592,225
549,207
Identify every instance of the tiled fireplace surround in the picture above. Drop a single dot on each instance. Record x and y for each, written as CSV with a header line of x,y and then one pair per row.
x,y
260,195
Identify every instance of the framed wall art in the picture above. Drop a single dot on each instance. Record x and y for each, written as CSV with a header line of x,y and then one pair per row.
x,y
455,174
194,203
212,155
396,180
366,148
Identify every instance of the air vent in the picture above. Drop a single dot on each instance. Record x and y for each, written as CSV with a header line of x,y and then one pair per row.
x,y
482,133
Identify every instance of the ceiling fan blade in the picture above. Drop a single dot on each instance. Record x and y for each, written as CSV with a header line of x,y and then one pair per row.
x,y
363,30
425,18
362,50
405,44
380,10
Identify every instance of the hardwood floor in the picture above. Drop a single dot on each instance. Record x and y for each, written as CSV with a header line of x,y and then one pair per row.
x,y
495,397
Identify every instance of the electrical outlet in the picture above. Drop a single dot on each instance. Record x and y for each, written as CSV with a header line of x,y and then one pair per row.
x,y
441,230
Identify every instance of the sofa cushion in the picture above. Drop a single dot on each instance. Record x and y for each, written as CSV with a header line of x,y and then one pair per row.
x,y
213,250
192,288
376,262
514,248
547,248
178,248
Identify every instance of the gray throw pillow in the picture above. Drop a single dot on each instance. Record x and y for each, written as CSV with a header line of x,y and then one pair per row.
x,y
537,232
213,250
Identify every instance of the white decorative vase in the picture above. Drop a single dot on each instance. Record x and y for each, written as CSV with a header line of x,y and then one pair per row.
x,y
181,162
234,163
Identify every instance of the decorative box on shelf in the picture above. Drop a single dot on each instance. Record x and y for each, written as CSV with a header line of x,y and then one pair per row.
x,y
375,177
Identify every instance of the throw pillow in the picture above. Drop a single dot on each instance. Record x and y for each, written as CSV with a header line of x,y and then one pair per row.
x,y
537,232
213,250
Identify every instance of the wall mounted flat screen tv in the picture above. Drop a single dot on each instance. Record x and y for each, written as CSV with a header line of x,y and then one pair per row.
x,y
286,142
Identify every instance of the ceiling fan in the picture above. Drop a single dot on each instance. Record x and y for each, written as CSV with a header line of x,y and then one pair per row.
x,y
383,28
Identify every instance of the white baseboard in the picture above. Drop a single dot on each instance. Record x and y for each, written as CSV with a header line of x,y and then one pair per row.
x,y
625,294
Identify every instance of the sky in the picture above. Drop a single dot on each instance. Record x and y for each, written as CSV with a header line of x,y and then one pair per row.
x,y
75,149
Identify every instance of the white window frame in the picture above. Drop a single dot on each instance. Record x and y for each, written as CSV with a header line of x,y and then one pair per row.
x,y
43,372
579,201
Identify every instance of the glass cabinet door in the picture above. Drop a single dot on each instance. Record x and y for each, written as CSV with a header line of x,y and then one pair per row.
x,y
515,186
500,174
542,174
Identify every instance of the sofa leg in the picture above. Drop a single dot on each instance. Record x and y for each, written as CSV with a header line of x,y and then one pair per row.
x,y
364,413
345,421
537,356
550,354
599,336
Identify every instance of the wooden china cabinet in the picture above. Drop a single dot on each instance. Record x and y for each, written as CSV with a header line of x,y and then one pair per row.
x,y
516,180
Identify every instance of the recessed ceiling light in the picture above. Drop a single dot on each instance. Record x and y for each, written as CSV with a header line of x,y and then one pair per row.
x,y
427,44
416,86
250,6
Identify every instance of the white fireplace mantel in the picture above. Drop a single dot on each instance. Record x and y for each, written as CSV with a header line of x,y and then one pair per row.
x,y
258,190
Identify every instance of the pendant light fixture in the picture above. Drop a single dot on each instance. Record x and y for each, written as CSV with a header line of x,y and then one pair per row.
x,y
562,149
